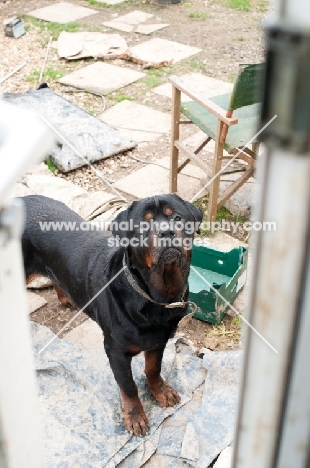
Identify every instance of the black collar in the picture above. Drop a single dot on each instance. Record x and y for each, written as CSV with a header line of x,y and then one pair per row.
x,y
142,293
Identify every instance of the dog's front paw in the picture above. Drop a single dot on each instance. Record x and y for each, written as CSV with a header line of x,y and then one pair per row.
x,y
136,422
165,394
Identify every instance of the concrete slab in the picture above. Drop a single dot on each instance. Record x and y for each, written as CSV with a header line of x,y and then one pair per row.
x,y
88,335
62,12
119,26
150,28
140,28
35,301
139,122
225,458
203,84
101,78
159,50
154,180
190,170
134,17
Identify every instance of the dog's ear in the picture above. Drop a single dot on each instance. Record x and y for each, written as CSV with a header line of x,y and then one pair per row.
x,y
122,225
196,213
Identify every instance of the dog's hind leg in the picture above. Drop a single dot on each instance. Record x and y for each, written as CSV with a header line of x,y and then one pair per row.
x,y
63,298
161,391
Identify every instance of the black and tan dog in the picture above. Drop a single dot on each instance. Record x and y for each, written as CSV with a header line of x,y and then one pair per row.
x,y
155,257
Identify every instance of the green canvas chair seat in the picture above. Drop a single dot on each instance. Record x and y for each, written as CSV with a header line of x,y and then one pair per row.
x,y
238,135
229,119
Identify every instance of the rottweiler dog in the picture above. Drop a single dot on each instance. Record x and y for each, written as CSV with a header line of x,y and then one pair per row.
x,y
147,256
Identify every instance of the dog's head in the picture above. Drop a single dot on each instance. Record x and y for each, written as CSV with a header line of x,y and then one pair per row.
x,y
159,231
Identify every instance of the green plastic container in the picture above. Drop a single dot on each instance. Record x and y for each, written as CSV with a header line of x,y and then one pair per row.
x,y
226,271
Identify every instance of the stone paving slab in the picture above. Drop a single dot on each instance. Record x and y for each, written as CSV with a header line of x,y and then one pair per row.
x,y
206,85
139,122
88,335
62,12
150,28
153,180
35,301
190,170
134,17
119,26
101,78
159,50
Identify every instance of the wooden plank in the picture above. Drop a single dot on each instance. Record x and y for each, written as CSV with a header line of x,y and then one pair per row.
x,y
204,102
235,186
217,165
191,155
175,134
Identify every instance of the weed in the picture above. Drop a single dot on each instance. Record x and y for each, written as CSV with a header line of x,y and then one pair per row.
x,y
262,7
242,5
196,65
48,73
155,77
122,98
231,78
199,15
240,39
54,29
50,165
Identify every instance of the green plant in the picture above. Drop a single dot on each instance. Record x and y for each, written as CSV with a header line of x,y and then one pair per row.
x,y
155,77
199,15
196,65
54,29
123,98
262,7
242,5
48,73
50,165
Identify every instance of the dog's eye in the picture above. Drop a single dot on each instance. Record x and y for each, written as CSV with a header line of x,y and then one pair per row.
x,y
177,218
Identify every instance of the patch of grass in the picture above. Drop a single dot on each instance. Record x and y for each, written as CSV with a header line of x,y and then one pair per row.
x,y
123,98
199,15
196,65
50,165
262,7
48,73
155,77
231,78
242,5
54,29
240,39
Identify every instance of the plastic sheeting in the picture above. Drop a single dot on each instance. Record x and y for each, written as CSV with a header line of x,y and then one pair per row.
x,y
80,407
94,139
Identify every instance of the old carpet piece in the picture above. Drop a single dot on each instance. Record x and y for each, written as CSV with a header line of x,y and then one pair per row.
x,y
94,139
79,45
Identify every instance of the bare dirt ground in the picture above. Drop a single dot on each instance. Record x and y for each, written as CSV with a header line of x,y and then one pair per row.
x,y
229,32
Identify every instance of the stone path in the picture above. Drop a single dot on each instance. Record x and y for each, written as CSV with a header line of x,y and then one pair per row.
x,y
142,123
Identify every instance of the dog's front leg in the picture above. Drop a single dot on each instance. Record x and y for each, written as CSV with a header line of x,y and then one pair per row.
x,y
161,391
135,419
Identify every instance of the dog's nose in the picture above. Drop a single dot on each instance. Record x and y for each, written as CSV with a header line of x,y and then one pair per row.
x,y
166,233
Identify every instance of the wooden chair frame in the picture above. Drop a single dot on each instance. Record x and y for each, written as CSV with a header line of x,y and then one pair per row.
x,y
225,120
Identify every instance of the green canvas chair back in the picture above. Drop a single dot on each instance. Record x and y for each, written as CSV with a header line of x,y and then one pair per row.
x,y
247,86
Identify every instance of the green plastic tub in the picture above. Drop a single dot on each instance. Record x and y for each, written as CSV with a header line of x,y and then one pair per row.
x,y
226,271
